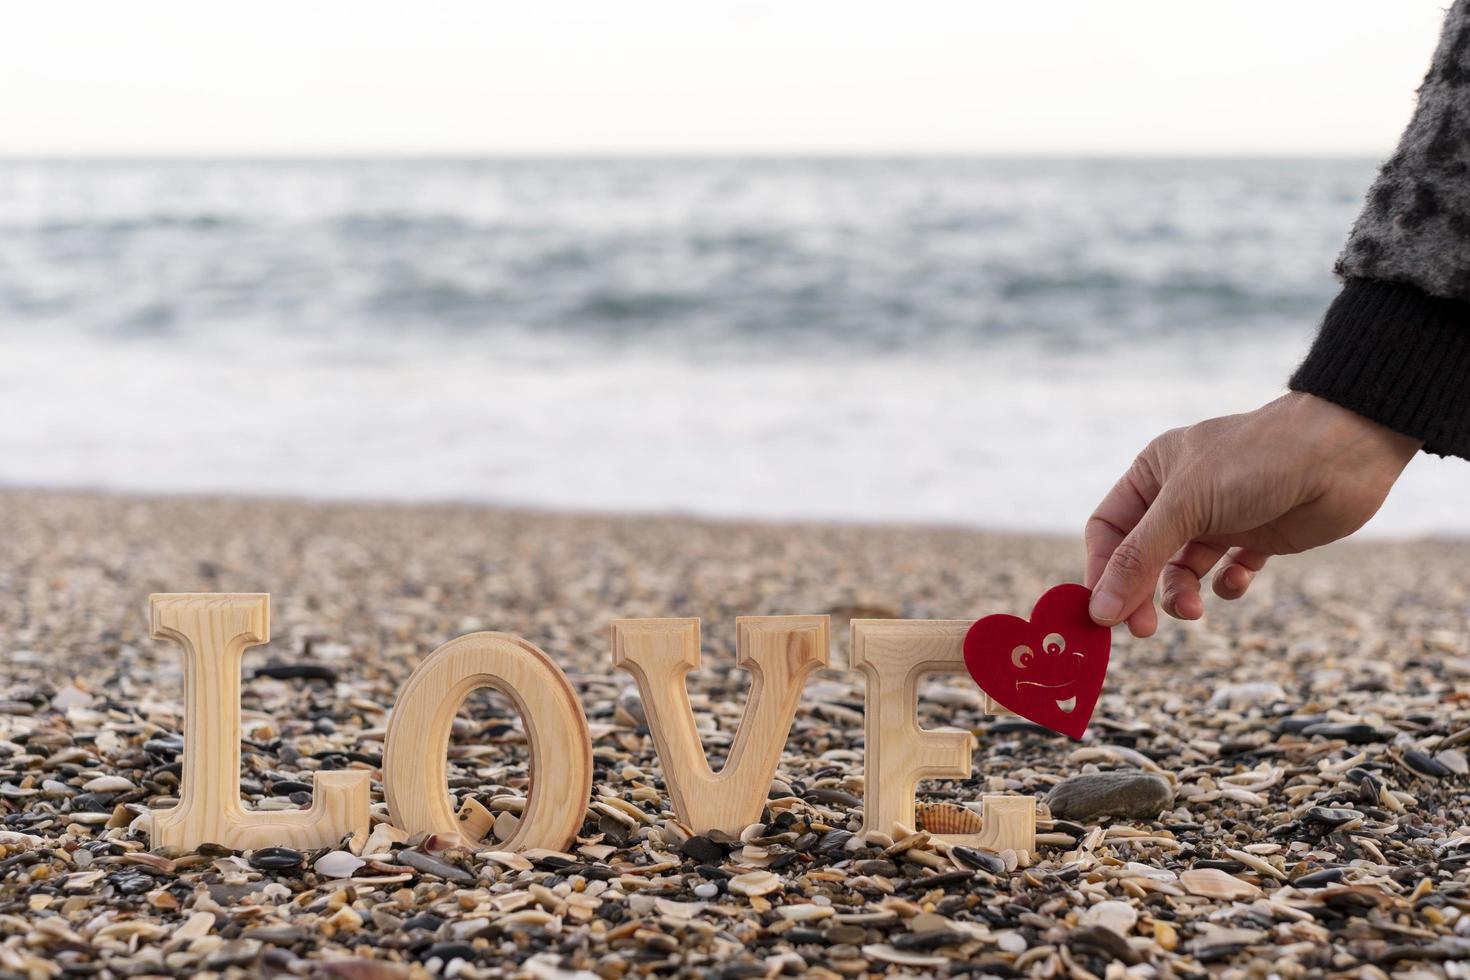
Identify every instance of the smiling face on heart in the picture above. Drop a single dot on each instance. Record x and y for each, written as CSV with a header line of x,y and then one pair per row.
x,y
1048,669
1053,670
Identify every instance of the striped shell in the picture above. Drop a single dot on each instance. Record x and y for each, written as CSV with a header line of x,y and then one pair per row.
x,y
947,818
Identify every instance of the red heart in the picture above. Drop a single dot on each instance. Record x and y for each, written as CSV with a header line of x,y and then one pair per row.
x,y
1048,669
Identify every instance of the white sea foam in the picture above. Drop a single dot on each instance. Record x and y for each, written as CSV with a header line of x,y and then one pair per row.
x,y
980,343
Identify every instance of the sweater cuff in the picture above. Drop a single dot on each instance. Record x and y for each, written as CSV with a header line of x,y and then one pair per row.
x,y
1398,356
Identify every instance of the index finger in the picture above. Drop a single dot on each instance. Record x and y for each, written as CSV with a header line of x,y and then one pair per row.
x,y
1117,515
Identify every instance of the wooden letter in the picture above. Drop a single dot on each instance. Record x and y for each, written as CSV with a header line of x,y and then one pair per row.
x,y
893,654
215,631
779,651
415,769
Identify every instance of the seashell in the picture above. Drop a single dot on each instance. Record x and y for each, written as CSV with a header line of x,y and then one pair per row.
x,y
754,883
678,910
382,839
947,818
338,864
506,825
199,924
109,784
1213,883
1117,916
806,912
898,957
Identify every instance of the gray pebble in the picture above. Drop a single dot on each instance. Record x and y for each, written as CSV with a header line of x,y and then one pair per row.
x,y
1129,793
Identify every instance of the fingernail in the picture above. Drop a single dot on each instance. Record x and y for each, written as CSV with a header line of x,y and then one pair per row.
x,y
1105,607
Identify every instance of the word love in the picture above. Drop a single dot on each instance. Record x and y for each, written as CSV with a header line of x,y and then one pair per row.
x,y
780,652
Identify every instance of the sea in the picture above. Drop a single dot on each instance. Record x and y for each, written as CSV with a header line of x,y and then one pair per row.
x,y
979,342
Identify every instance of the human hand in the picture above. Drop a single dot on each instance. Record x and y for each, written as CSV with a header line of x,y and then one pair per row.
x,y
1294,474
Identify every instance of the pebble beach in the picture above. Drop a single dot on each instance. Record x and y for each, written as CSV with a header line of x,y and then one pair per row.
x,y
1279,790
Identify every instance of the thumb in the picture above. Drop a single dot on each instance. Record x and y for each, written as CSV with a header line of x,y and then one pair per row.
x,y
1132,572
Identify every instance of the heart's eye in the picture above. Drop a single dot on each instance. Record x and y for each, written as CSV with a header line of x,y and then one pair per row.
x,y
1054,643
1021,656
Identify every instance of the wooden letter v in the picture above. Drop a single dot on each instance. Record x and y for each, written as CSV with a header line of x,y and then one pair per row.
x,y
779,651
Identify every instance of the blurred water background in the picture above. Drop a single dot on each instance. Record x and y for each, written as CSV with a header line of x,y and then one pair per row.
x,y
984,342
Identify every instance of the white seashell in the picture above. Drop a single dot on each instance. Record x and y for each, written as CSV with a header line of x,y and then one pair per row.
x,y
678,910
382,839
109,784
805,912
199,924
338,864
1117,916
755,883
886,953
1214,883
505,826
1256,863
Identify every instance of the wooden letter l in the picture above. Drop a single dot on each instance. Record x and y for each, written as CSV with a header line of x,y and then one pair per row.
x,y
215,631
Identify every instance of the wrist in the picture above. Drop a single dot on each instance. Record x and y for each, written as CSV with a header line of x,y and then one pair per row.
x,y
1335,431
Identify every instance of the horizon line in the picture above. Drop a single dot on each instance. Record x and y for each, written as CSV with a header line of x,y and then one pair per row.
x,y
267,155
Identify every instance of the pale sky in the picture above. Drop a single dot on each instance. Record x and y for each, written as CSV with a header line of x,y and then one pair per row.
x,y
164,77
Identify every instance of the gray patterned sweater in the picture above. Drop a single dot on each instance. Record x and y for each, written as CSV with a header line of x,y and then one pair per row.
x,y
1395,344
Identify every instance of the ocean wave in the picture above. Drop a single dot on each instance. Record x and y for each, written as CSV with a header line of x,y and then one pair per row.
x,y
940,340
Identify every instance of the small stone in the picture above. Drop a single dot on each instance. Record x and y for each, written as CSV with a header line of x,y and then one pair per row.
x,y
1425,764
1128,794
832,797
505,826
1330,816
1453,760
1319,879
1106,942
977,859
630,702
833,842
1011,942
356,968
706,890
424,920
445,952
71,697
429,864
1356,734
346,919
298,671
1246,694
275,858
703,850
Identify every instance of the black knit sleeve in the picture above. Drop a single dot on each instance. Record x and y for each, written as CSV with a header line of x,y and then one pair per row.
x,y
1394,354
1395,344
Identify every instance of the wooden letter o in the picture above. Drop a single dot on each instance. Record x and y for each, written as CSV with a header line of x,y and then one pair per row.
x,y
415,767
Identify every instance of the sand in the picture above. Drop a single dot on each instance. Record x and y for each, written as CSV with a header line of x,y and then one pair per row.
x,y
1369,643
